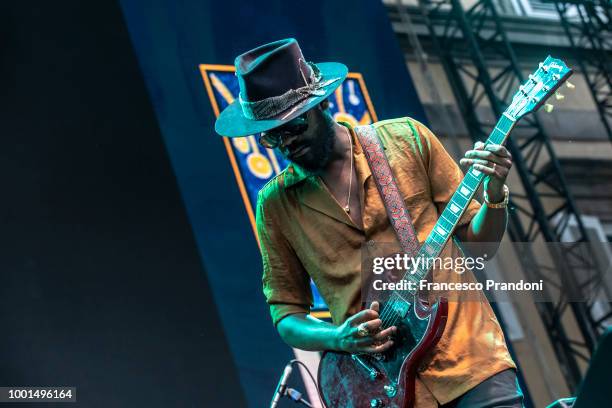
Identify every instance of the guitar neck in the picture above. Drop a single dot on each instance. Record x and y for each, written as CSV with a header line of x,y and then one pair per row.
x,y
456,207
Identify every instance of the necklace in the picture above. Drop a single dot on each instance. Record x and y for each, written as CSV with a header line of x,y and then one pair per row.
x,y
347,207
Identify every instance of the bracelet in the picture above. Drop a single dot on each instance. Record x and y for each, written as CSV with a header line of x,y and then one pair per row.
x,y
501,204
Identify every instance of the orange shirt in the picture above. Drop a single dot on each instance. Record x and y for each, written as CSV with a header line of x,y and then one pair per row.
x,y
304,233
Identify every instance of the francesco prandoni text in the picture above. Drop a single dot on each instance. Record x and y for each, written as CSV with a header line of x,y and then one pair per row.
x,y
490,284
410,266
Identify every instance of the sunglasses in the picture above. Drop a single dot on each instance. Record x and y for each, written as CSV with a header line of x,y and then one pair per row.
x,y
274,138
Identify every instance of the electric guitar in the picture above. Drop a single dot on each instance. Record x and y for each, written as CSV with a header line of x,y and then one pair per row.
x,y
388,379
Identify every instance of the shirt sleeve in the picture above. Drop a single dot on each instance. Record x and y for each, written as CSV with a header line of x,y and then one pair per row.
x,y
286,284
445,175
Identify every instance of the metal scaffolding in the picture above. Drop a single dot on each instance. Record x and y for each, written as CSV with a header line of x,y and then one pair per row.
x,y
588,26
483,87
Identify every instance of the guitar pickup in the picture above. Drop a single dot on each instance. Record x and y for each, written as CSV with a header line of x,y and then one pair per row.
x,y
401,309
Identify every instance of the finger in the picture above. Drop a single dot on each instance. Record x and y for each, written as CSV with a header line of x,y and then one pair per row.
x,y
488,156
497,172
507,164
375,306
384,334
479,154
499,150
467,162
378,348
370,327
364,316
374,325
361,342
378,338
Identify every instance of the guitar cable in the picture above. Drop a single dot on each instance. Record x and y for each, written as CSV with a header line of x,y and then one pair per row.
x,y
296,361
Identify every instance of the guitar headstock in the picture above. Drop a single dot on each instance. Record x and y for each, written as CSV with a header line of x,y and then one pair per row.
x,y
539,87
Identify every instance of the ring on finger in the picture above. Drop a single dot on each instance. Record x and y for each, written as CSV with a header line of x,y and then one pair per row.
x,y
362,330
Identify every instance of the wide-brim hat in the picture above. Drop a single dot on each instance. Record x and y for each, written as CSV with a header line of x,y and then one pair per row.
x,y
276,85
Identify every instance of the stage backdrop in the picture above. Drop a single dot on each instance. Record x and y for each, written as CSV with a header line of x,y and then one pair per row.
x,y
184,49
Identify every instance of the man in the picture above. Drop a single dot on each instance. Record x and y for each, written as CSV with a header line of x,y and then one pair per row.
x,y
313,218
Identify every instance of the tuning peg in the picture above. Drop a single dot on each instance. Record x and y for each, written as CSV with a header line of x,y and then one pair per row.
x,y
548,107
570,85
559,96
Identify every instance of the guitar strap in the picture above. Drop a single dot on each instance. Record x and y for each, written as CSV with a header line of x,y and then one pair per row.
x,y
387,187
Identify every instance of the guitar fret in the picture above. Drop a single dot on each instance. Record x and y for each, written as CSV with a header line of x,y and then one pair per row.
x,y
459,200
465,191
441,231
455,209
422,271
471,180
412,277
495,138
429,249
436,234
503,123
445,215
445,223
506,121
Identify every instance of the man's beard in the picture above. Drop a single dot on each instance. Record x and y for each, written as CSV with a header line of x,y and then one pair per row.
x,y
318,157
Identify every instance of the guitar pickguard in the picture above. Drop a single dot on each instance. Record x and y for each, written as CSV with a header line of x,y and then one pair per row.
x,y
386,379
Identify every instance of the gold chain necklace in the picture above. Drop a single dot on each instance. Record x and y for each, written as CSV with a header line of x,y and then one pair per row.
x,y
347,207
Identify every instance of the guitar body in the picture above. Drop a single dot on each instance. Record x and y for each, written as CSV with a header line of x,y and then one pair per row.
x,y
388,379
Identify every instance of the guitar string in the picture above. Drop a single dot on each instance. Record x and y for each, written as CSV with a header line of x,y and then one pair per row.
x,y
389,310
388,315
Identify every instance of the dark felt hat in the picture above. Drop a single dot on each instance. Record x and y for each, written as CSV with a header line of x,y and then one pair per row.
x,y
276,85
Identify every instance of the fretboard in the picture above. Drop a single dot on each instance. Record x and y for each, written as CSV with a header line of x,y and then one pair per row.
x,y
448,220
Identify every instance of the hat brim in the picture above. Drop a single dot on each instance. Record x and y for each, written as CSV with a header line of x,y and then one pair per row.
x,y
232,122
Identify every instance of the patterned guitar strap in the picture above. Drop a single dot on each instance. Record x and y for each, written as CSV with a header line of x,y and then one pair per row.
x,y
387,187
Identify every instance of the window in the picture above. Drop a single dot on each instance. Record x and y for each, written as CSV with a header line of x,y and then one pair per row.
x,y
539,9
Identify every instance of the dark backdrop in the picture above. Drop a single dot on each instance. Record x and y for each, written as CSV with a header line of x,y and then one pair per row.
x,y
102,286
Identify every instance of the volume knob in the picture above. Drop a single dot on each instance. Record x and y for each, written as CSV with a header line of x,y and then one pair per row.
x,y
391,390
376,403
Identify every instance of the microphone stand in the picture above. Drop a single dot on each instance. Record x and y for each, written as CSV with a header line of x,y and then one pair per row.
x,y
282,390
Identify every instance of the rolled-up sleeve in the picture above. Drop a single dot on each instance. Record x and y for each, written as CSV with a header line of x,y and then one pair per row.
x,y
286,284
444,173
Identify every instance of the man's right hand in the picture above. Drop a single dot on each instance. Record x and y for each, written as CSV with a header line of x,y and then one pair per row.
x,y
349,339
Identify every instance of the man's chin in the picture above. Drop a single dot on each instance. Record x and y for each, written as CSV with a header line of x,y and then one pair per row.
x,y
310,163
317,157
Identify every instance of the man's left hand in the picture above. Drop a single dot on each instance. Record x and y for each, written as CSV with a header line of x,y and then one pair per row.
x,y
493,160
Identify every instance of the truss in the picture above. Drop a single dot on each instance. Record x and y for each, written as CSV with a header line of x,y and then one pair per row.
x,y
483,87
588,26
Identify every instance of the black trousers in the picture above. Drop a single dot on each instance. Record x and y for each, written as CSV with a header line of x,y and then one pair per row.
x,y
499,391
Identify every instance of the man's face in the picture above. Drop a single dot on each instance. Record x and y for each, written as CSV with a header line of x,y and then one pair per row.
x,y
307,140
